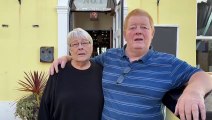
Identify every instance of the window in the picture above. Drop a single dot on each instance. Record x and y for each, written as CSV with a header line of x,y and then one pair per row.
x,y
204,35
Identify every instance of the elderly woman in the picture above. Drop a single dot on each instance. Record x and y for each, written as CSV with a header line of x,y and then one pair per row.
x,y
75,93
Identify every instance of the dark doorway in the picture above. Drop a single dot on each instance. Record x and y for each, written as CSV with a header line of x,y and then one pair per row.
x,y
101,40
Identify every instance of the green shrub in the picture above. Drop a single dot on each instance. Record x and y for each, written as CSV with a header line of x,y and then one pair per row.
x,y
27,107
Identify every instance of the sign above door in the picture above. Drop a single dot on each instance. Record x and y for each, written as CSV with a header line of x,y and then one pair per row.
x,y
91,5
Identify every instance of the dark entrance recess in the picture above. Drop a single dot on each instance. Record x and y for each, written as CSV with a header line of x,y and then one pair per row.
x,y
101,40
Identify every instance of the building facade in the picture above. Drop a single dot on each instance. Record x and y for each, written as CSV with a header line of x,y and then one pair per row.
x,y
29,25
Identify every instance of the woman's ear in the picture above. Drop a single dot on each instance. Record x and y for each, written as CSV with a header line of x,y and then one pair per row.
x,y
69,52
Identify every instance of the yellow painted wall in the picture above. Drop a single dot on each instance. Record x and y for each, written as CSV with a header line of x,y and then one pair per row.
x,y
20,43
177,12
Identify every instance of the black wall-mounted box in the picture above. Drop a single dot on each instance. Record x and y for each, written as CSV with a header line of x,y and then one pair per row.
x,y
46,54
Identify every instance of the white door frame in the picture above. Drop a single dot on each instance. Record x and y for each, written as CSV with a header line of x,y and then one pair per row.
x,y
63,25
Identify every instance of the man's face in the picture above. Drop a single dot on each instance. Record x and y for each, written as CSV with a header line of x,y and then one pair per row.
x,y
138,33
81,50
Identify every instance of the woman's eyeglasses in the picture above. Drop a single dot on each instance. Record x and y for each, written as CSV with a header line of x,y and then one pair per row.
x,y
84,44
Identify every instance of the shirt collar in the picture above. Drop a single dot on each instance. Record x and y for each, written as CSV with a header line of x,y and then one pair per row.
x,y
144,58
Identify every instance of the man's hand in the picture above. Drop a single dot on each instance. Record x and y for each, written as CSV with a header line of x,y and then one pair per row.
x,y
190,106
54,66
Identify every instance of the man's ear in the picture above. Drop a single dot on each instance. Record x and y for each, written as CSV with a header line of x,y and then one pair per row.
x,y
124,34
153,33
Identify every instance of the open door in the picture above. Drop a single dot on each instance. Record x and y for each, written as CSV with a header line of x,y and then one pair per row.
x,y
118,24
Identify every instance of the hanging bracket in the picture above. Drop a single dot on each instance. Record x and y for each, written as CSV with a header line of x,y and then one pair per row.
x,y
19,2
158,2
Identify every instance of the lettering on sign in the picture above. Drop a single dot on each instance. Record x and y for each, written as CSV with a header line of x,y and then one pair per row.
x,y
92,1
91,4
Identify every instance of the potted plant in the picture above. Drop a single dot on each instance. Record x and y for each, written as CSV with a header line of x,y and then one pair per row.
x,y
28,106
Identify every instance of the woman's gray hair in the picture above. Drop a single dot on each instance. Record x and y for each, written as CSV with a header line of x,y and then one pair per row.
x,y
78,33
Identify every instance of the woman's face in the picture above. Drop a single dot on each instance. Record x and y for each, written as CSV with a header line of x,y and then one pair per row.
x,y
81,49
138,33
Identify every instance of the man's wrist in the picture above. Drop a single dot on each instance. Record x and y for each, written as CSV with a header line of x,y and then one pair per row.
x,y
194,90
